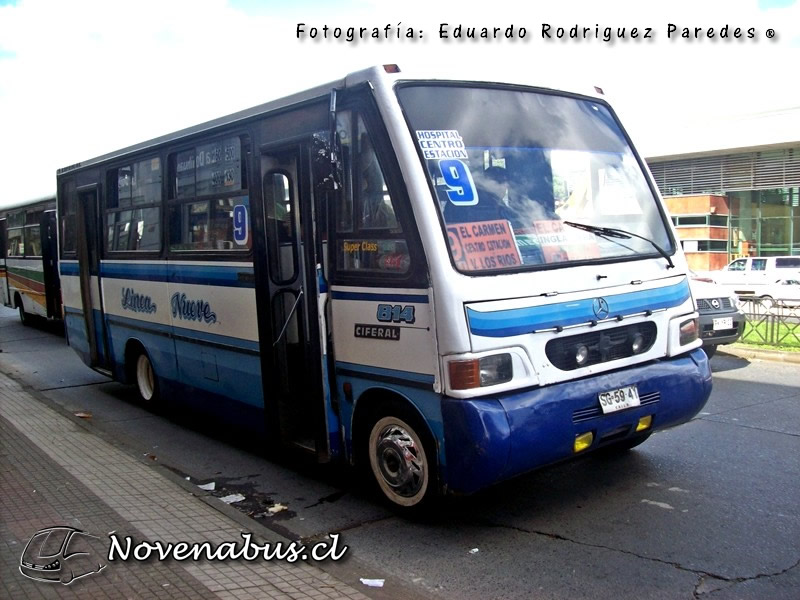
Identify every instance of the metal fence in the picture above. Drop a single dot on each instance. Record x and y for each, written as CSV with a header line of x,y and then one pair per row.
x,y
772,322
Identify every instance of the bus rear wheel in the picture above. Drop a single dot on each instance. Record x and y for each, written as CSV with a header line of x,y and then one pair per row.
x,y
146,382
401,459
23,316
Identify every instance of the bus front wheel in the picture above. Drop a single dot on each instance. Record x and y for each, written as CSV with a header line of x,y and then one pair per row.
x,y
401,459
146,382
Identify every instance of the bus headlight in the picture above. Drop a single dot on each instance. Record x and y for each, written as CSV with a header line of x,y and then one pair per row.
x,y
480,372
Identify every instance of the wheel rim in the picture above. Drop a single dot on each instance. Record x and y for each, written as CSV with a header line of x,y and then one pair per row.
x,y
398,461
145,378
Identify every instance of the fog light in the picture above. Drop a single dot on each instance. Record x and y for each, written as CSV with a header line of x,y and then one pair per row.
x,y
583,441
644,423
581,355
637,344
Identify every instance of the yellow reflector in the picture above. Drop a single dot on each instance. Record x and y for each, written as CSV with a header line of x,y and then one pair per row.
x,y
583,441
645,423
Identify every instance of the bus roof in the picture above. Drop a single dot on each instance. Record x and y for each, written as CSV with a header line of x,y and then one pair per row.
x,y
371,74
27,203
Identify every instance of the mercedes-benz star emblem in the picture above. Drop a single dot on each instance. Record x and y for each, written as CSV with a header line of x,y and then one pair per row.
x,y
600,308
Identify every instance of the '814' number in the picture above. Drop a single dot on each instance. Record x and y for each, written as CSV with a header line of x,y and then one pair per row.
x,y
395,313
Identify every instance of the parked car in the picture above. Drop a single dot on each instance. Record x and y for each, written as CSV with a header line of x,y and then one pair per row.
x,y
749,274
721,321
783,292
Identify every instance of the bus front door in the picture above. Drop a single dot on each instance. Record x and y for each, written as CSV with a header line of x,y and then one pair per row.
x,y
291,363
89,271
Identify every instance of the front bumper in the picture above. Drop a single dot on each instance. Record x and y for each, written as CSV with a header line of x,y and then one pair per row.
x,y
491,439
712,337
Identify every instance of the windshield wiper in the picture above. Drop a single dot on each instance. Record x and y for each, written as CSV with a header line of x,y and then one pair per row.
x,y
620,234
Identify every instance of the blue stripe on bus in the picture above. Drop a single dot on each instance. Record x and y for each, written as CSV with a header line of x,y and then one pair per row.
x,y
518,321
223,275
401,377
380,297
69,268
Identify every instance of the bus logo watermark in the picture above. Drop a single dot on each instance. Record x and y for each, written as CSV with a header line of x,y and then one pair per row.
x,y
63,555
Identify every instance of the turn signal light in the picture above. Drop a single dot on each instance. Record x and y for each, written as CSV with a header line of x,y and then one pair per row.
x,y
464,374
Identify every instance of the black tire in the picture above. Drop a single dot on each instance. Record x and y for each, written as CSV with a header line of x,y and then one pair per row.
x,y
401,458
26,319
145,379
710,350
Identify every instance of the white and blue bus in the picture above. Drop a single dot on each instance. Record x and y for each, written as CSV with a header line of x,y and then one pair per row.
x,y
449,282
29,278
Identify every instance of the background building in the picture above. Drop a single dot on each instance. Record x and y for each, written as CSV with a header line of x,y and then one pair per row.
x,y
733,187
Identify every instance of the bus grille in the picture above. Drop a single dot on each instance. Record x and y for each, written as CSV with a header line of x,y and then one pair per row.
x,y
602,346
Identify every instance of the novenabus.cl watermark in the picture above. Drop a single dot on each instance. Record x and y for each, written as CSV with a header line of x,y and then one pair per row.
x,y
247,549
62,554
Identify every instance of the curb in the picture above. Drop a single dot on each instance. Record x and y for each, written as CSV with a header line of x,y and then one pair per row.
x,y
760,354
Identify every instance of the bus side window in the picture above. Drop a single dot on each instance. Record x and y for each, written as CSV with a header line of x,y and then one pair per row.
x,y
208,205
133,207
68,217
15,245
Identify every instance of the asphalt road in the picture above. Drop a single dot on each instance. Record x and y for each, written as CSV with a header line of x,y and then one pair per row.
x,y
707,510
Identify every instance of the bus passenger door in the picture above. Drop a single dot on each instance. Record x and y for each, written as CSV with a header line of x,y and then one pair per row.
x,y
292,372
52,285
89,271
4,295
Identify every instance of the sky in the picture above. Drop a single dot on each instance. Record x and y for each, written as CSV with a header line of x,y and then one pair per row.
x,y
80,78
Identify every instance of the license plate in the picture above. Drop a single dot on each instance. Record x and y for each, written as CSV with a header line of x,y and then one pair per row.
x,y
619,399
723,323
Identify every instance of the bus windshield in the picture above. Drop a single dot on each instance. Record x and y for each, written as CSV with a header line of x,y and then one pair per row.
x,y
515,171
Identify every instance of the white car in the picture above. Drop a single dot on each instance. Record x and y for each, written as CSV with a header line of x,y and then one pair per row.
x,y
783,292
749,275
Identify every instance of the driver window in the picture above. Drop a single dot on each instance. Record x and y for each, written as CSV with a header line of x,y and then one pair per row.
x,y
370,236
377,211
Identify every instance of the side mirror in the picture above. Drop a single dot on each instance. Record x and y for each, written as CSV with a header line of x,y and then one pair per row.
x,y
327,166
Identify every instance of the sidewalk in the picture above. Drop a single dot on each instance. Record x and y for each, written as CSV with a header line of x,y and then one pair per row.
x,y
54,472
